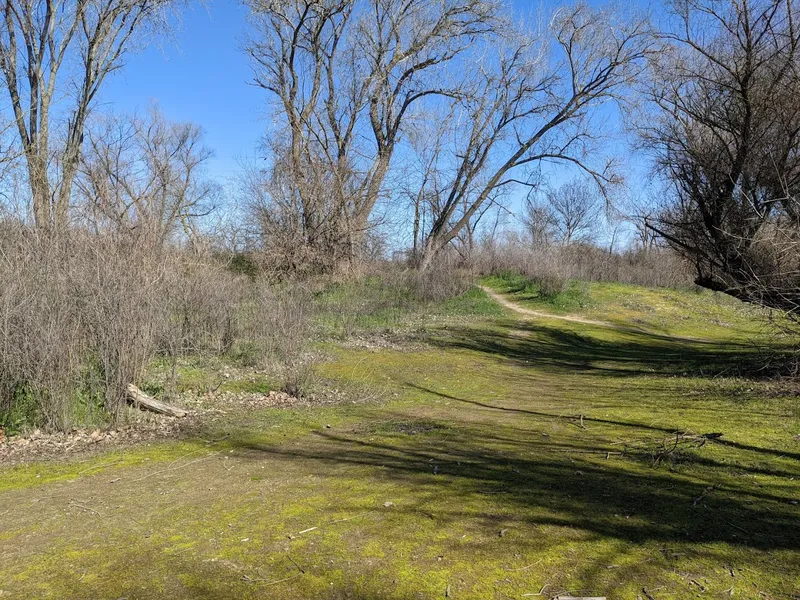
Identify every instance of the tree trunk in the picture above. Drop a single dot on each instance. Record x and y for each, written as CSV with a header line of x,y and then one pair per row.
x,y
40,192
429,252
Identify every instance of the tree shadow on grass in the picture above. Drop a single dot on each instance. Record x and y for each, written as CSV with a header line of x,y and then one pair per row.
x,y
572,485
628,425
567,486
726,498
549,496
629,353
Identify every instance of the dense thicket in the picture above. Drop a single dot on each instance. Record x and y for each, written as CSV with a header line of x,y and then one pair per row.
x,y
727,139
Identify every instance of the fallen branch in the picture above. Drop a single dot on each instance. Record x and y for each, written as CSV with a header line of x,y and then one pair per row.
x,y
82,507
180,466
141,400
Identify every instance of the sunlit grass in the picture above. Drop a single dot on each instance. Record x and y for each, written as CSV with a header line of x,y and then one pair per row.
x,y
505,457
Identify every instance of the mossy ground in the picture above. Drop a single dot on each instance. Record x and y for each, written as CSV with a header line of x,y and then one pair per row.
x,y
695,313
508,458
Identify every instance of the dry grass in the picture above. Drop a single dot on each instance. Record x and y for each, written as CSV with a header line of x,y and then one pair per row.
x,y
553,266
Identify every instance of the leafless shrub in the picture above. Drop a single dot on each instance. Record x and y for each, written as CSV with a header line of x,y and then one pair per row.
x,y
43,344
82,316
275,327
442,281
386,296
553,266
120,286
204,297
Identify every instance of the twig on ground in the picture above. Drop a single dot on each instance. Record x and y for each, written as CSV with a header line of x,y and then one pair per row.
x,y
299,568
705,493
349,518
700,586
307,530
268,582
219,385
310,529
540,593
606,452
82,507
525,568
105,464
737,527
181,466
578,418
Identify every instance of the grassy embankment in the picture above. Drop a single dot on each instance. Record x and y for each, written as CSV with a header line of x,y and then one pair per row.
x,y
506,456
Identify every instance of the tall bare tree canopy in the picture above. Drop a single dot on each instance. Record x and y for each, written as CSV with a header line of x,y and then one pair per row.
x,y
534,103
145,173
350,78
54,57
345,77
727,137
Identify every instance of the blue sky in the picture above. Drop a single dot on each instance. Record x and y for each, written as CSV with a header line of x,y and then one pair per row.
x,y
200,76
203,76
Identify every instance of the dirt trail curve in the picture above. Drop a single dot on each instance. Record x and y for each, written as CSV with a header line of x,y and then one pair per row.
x,y
503,301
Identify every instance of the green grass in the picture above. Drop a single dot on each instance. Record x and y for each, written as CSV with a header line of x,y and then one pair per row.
x,y
507,457
473,303
202,374
570,297
371,304
694,313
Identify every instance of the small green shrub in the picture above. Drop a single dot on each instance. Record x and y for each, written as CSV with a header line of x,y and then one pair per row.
x,y
22,410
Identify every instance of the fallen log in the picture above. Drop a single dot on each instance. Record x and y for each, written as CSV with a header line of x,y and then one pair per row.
x,y
141,400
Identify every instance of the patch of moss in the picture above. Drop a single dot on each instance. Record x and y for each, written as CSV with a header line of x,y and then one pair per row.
x,y
508,457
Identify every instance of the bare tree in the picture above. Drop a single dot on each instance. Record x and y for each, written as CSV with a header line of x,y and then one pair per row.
x,y
540,222
421,179
54,57
640,212
424,180
277,224
577,211
145,173
346,76
726,135
529,106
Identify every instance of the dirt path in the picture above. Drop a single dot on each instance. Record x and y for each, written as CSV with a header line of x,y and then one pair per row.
x,y
505,302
